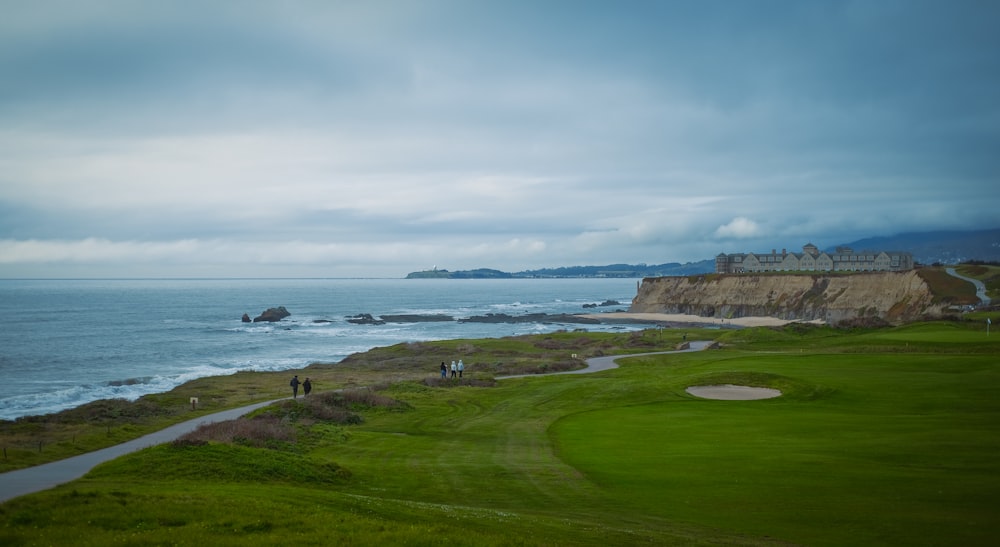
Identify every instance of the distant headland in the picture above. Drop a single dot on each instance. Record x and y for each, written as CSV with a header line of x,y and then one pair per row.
x,y
908,250
608,271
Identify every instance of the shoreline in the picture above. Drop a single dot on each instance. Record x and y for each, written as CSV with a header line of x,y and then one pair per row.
x,y
643,317
45,476
606,318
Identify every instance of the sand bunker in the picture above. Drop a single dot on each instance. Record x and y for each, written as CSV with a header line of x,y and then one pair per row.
x,y
730,392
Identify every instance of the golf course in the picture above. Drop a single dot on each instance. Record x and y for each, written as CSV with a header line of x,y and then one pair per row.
x,y
881,436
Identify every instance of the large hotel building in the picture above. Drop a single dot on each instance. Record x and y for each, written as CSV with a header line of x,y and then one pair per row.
x,y
812,259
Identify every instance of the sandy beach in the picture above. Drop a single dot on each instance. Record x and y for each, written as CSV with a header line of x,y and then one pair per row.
x,y
696,319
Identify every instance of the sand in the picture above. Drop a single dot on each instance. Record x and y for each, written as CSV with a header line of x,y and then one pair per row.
x,y
696,319
729,392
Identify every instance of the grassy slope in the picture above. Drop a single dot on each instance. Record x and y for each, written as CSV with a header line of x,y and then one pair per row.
x,y
35,440
883,437
987,273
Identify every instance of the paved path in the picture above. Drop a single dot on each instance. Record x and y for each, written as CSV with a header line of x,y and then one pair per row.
x,y
980,287
45,476
597,364
49,475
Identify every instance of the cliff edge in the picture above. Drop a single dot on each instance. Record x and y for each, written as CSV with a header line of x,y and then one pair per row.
x,y
892,296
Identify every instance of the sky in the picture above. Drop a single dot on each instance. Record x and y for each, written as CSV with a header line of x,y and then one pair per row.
x,y
373,138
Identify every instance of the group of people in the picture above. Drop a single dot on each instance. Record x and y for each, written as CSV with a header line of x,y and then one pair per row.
x,y
456,372
306,386
456,369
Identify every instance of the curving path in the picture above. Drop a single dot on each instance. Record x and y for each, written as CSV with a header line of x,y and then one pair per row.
x,y
597,364
45,476
980,287
49,475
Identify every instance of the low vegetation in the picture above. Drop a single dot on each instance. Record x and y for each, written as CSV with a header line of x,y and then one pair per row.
x,y
947,288
989,274
882,436
33,440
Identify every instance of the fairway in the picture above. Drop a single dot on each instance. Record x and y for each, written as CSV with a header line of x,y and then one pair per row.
x,y
880,437
895,452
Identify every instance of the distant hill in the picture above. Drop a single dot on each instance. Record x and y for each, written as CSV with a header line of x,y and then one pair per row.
x,y
610,270
945,247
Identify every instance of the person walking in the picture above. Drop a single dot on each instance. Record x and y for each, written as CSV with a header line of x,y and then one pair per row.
x,y
295,386
306,387
444,370
461,367
454,369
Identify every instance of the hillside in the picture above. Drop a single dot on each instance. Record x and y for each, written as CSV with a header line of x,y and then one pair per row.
x,y
894,297
945,247
927,248
609,270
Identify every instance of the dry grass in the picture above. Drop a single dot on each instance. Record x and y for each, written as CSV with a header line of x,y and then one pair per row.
x,y
948,289
260,432
278,424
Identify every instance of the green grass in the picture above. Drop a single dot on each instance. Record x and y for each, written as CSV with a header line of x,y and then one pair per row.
x,y
882,437
948,288
865,462
989,274
35,440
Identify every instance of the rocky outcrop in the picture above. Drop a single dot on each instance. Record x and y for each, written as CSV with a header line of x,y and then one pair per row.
x,y
416,318
369,319
605,303
246,318
892,296
272,315
529,318
364,319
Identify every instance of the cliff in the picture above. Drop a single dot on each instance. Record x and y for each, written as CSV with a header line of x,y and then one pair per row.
x,y
892,296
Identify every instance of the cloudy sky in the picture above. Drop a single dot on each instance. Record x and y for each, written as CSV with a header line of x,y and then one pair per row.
x,y
375,138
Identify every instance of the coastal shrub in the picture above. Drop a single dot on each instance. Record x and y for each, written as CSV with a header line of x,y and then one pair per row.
x,y
553,343
258,432
553,366
333,414
323,407
339,407
103,411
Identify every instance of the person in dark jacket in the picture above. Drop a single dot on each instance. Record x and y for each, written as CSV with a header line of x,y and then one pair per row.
x,y
295,386
306,387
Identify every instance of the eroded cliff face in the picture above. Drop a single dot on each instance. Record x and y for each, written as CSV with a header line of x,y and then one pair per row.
x,y
893,296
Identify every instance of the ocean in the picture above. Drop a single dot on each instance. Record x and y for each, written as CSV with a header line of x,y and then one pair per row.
x,y
64,343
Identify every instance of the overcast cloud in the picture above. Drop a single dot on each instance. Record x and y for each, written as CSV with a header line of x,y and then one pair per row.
x,y
375,138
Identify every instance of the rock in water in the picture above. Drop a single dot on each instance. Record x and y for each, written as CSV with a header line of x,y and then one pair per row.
x,y
272,315
364,319
246,318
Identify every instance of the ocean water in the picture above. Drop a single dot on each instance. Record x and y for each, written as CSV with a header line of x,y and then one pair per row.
x,y
64,343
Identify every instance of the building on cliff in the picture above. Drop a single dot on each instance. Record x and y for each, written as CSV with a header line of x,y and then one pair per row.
x,y
811,259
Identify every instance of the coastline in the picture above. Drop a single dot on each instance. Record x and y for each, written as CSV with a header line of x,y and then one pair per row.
x,y
630,317
19,482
